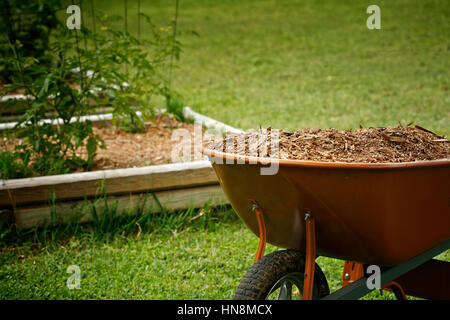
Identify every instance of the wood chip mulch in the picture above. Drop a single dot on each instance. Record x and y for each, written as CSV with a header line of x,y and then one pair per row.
x,y
366,145
127,150
154,146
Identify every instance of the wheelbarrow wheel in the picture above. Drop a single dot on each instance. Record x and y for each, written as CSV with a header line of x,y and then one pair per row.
x,y
280,275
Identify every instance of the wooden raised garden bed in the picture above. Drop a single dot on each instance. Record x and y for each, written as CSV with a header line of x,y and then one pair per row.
x,y
28,201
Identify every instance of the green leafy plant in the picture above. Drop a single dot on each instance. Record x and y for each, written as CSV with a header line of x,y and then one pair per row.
x,y
175,106
133,78
13,165
27,24
88,70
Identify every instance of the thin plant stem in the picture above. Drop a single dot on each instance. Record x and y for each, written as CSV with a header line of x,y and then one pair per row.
x,y
126,15
82,23
174,38
126,30
93,23
139,19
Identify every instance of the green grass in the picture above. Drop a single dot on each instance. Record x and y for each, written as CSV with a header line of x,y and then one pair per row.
x,y
293,64
191,256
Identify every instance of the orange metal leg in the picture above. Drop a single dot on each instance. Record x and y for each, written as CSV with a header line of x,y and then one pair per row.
x,y
430,280
310,257
352,271
397,289
262,232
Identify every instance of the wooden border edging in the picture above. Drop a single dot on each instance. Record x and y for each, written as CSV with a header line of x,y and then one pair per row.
x,y
16,192
33,216
175,185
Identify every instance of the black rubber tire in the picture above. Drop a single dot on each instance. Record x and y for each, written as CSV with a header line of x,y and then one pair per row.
x,y
266,272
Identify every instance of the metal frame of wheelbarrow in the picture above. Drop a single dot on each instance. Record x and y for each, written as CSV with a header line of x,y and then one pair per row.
x,y
359,288
355,284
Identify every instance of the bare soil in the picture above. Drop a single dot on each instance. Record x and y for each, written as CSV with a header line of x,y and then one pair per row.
x,y
367,145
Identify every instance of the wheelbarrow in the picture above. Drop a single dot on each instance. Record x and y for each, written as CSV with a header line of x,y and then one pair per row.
x,y
387,217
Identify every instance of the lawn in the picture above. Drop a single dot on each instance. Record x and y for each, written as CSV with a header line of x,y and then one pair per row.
x,y
183,256
191,262
285,64
293,64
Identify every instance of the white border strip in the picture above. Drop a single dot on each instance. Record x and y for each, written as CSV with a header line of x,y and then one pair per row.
x,y
208,122
15,97
94,117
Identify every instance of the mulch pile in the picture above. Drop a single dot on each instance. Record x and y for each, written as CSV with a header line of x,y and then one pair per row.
x,y
367,145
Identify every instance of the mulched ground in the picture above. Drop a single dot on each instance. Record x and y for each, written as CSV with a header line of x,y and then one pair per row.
x,y
154,146
126,150
367,145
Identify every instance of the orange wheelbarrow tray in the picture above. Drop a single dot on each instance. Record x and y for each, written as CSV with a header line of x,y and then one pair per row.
x,y
384,214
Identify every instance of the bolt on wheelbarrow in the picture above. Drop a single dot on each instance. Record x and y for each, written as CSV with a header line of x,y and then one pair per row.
x,y
393,218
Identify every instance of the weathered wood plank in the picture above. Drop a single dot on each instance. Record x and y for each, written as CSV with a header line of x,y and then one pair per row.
x,y
16,192
32,216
